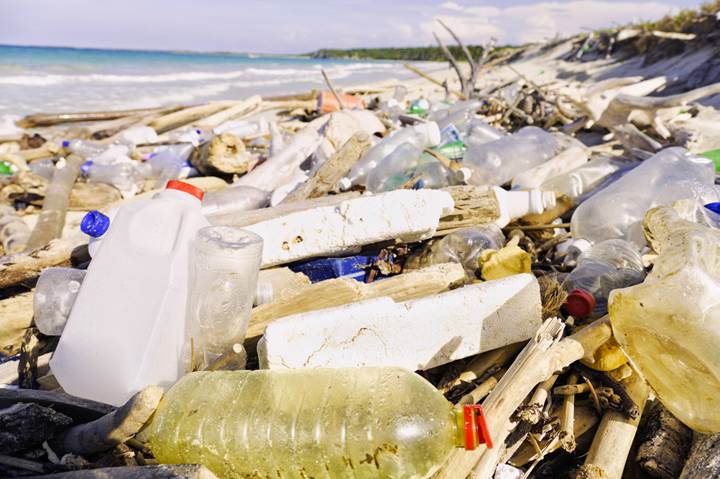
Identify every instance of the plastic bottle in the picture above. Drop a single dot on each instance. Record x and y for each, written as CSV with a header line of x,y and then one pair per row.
x,y
608,265
478,132
465,246
44,168
564,162
585,178
323,423
497,162
420,135
225,262
86,149
220,205
402,159
170,163
55,294
458,114
617,211
127,327
126,177
669,326
14,232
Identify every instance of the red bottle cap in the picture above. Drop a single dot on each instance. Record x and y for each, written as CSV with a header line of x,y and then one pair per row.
x,y
580,303
475,427
185,188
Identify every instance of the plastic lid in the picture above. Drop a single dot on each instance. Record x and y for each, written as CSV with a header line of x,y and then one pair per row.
x,y
94,224
85,167
714,207
185,188
475,427
66,143
580,303
344,184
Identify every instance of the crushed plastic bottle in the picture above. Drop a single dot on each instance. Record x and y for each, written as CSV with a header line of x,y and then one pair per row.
x,y
618,210
585,178
225,263
55,294
339,423
608,265
669,326
497,162
171,163
138,281
219,206
14,232
421,135
478,132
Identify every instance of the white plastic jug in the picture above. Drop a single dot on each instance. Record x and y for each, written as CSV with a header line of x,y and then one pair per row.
x,y
127,327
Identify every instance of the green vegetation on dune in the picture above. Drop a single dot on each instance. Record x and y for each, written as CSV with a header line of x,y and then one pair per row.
x,y
408,53
681,21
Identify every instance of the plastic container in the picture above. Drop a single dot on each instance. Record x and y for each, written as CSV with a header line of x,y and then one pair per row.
x,y
128,177
331,423
618,210
14,232
86,149
225,262
403,158
585,178
497,162
170,163
465,246
320,269
127,327
223,205
564,162
55,294
44,168
608,265
669,326
421,135
478,132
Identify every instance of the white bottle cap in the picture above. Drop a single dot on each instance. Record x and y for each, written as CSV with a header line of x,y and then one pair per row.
x,y
463,174
430,131
344,184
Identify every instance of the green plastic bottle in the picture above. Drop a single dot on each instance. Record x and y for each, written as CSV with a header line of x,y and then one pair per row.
x,y
312,423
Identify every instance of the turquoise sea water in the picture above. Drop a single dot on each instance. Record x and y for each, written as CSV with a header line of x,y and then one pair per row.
x,y
44,79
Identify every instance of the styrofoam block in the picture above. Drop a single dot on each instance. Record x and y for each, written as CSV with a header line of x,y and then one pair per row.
x,y
407,215
417,334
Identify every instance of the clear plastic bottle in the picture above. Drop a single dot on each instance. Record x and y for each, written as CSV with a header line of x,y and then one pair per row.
x,y
421,135
220,205
225,262
584,178
478,132
86,149
171,163
458,114
44,168
497,162
608,265
402,159
127,177
323,423
55,294
465,246
669,326
14,232
618,210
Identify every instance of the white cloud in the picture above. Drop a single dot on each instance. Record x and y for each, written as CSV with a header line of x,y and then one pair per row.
x,y
543,20
452,6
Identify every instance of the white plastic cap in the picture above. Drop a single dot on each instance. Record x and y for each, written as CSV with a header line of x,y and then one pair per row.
x,y
344,184
463,174
430,132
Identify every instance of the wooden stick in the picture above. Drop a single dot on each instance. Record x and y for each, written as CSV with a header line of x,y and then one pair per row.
x,y
703,460
571,389
485,362
482,390
614,438
240,109
532,413
183,117
453,61
168,471
111,429
537,227
468,56
424,75
332,89
540,359
335,168
19,463
44,119
567,418
664,443
77,408
16,314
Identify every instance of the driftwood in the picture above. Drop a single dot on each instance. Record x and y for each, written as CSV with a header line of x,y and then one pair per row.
x,y
112,429
664,443
432,80
33,121
188,115
27,425
242,108
540,359
169,471
225,153
77,408
703,461
336,292
488,361
335,168
474,205
16,313
614,437
334,92
567,418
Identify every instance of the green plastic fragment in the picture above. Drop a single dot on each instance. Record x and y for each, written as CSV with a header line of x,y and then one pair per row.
x,y
455,150
6,168
713,155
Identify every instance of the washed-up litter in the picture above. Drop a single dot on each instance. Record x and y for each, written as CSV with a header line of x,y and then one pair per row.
x,y
508,272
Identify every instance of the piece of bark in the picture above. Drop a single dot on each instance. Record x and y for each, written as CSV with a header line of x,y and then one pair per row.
x,y
27,425
188,115
57,198
225,153
533,411
614,437
169,471
77,408
703,461
45,119
541,358
334,169
111,429
339,291
29,353
16,313
474,205
22,464
664,443
483,363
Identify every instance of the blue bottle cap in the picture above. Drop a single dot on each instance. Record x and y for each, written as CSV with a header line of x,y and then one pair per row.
x,y
94,224
85,167
66,143
714,207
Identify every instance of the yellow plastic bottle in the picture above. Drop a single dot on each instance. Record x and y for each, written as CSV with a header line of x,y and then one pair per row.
x,y
320,423
669,325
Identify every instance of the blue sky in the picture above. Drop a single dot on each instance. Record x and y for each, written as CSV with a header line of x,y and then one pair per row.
x,y
298,26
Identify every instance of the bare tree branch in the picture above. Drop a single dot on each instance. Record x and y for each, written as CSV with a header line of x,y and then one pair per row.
x,y
453,61
462,46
